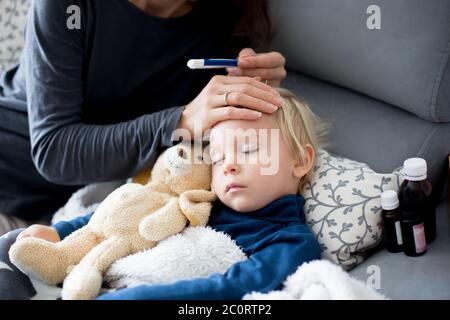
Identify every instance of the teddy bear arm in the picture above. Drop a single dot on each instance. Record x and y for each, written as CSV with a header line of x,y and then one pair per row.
x,y
164,222
196,206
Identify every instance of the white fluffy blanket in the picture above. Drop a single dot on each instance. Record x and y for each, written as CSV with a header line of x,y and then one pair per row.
x,y
200,252
320,280
196,252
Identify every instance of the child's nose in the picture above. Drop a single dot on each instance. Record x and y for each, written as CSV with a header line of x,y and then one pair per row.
x,y
231,168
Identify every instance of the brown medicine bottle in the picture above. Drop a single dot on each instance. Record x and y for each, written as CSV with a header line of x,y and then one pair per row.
x,y
418,212
391,221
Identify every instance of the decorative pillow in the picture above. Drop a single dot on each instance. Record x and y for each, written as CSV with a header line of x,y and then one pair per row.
x,y
13,15
343,207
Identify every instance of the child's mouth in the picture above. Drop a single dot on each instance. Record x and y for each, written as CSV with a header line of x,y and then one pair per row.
x,y
233,187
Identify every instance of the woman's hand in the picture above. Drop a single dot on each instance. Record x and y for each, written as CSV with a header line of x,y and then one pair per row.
x,y
226,98
40,231
268,66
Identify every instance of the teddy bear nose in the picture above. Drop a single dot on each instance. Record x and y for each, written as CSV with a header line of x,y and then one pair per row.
x,y
182,153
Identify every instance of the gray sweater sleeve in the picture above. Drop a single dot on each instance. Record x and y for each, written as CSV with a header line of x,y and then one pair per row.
x,y
64,149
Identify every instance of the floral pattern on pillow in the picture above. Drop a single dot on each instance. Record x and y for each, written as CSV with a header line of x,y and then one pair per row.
x,y
12,22
343,207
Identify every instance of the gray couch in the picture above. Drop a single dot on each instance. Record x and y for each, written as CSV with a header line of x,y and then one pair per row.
x,y
386,93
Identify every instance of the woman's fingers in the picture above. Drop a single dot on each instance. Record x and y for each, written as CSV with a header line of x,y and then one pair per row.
x,y
267,74
233,113
263,60
244,100
220,80
247,52
243,92
269,66
255,92
230,98
239,99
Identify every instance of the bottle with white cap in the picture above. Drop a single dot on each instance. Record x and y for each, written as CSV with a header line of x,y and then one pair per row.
x,y
417,210
391,221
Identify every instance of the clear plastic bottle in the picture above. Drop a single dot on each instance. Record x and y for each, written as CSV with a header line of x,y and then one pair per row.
x,y
391,221
418,212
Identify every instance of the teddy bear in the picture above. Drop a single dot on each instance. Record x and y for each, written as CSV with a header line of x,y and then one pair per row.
x,y
133,218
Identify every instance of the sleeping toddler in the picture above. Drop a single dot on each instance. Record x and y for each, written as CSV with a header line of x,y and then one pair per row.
x,y
259,169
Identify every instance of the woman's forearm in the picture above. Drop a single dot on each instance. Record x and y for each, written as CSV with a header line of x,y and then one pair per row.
x,y
65,149
79,154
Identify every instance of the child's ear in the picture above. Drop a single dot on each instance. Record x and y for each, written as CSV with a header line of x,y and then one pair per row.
x,y
303,166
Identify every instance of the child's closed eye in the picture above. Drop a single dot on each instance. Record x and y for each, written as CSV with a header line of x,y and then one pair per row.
x,y
251,150
217,158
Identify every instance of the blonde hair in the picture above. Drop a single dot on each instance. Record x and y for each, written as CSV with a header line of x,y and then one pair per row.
x,y
300,126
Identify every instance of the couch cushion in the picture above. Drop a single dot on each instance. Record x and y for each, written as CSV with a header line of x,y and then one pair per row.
x,y
373,132
405,63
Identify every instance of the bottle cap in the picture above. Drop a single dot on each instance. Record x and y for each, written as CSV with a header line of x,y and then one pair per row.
x,y
389,200
415,169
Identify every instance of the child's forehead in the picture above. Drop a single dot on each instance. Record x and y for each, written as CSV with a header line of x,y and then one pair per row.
x,y
238,127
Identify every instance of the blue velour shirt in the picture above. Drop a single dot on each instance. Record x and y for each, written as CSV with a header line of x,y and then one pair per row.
x,y
275,239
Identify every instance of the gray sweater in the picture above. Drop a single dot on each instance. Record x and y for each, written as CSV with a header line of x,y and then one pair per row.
x,y
100,102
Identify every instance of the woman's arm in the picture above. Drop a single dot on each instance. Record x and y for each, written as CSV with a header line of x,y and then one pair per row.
x,y
64,149
264,271
67,151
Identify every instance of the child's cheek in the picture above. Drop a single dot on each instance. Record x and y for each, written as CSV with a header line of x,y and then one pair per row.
x,y
217,181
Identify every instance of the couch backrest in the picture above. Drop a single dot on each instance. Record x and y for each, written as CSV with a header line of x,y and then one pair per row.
x,y
12,21
405,63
